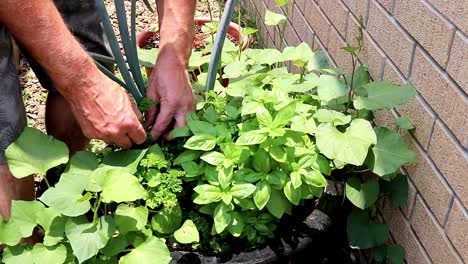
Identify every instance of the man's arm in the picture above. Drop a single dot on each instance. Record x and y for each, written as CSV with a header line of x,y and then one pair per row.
x,y
102,108
169,84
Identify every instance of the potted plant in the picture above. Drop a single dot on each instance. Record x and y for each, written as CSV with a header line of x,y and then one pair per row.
x,y
250,169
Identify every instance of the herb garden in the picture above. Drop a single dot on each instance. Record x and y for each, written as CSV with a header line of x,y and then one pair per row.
x,y
257,158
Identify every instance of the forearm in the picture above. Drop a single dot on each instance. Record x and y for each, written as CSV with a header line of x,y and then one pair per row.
x,y
43,33
176,27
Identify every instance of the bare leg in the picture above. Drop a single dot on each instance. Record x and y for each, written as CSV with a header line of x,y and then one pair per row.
x,y
13,189
61,123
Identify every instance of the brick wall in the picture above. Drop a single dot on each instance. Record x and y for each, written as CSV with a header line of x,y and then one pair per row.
x,y
423,42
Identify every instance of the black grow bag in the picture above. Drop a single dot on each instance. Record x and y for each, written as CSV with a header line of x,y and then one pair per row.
x,y
293,238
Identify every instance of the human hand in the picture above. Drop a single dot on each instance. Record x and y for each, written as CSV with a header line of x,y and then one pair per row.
x,y
169,85
106,112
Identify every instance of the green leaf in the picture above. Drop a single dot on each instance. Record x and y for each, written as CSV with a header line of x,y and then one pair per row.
x,y
403,122
167,220
390,153
17,255
361,78
222,217
273,19
293,194
331,116
9,233
188,155
201,127
296,180
125,158
262,194
284,115
237,226
120,186
261,161
187,234
252,137
197,59
351,146
83,162
201,142
148,252
214,158
183,131
235,69
243,190
330,87
397,190
115,245
362,194
299,55
147,57
396,254
24,213
207,194
130,218
34,152
350,49
364,233
280,3
53,224
384,95
318,61
53,255
315,178
264,56
301,124
66,196
278,204
86,238
248,31
263,116
278,153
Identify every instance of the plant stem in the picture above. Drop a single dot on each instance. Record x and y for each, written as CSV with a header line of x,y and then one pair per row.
x,y
211,16
302,74
96,208
352,82
46,181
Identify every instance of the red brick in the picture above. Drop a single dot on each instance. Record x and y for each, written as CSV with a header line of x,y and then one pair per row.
x,y
458,62
455,10
301,26
441,94
401,231
387,4
391,38
318,21
342,58
371,54
431,31
450,160
429,182
358,8
336,12
431,235
457,229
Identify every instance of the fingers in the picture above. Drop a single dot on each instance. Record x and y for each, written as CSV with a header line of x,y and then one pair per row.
x,y
123,142
137,135
150,116
180,121
163,119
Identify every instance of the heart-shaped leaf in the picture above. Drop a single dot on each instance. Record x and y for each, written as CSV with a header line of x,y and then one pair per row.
x,y
153,249
364,233
330,87
130,218
390,153
351,146
35,152
53,255
384,95
362,194
187,234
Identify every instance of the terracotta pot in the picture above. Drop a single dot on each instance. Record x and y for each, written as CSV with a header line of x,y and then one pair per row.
x,y
233,30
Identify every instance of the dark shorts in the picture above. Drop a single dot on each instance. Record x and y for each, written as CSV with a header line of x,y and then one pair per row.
x,y
84,22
